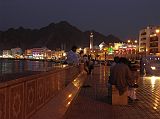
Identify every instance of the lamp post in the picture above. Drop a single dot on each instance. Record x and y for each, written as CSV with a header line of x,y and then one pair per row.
x,y
129,41
135,41
157,31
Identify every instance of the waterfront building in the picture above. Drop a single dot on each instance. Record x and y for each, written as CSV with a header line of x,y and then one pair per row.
x,y
38,53
16,52
28,54
107,52
1,53
7,54
127,50
48,54
95,53
59,55
149,40
102,45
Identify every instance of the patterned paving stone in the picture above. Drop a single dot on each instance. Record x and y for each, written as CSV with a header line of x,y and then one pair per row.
x,y
92,102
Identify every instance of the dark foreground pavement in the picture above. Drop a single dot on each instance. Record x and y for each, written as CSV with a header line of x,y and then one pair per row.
x,y
92,101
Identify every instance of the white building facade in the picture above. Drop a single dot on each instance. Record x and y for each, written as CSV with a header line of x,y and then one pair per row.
x,y
149,40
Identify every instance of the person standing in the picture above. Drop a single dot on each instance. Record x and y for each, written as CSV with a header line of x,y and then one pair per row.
x,y
90,65
116,60
85,61
141,67
72,56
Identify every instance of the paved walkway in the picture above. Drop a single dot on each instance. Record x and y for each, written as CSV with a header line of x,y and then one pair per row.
x,y
92,101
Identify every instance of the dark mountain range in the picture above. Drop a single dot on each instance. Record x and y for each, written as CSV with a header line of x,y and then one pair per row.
x,y
59,35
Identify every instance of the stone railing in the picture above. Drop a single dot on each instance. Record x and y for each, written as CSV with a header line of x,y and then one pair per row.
x,y
21,98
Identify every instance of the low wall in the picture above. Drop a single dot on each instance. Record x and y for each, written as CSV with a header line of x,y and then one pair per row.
x,y
22,97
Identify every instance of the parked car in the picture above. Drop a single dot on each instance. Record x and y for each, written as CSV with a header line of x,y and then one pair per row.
x,y
135,65
150,65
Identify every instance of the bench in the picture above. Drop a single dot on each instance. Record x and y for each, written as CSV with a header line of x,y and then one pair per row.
x,y
115,98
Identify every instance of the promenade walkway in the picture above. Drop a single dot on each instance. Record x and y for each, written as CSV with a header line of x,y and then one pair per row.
x,y
92,102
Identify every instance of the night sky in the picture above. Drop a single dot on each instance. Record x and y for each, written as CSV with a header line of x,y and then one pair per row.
x,y
122,18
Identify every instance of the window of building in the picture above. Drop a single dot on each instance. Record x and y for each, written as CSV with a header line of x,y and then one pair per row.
x,y
143,33
142,49
142,39
143,44
154,50
154,44
152,39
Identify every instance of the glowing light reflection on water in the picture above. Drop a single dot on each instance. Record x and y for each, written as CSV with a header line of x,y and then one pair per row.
x,y
18,66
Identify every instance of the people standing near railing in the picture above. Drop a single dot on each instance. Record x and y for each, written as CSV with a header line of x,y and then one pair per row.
x,y
72,56
88,64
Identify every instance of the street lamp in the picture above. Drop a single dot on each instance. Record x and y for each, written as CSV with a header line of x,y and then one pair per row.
x,y
129,41
146,52
157,31
135,41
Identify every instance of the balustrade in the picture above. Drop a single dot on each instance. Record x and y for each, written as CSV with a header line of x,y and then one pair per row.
x,y
20,98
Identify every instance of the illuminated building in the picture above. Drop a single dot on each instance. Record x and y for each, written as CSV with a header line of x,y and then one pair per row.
x,y
58,55
7,54
38,53
149,40
48,54
28,54
16,52
128,50
86,50
102,45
